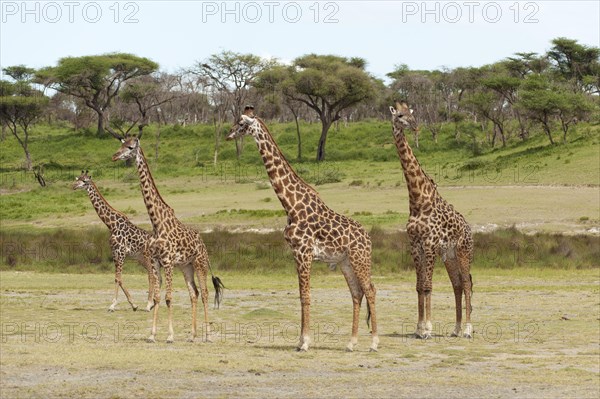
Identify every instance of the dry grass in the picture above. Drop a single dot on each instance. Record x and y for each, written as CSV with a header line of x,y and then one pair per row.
x,y
536,335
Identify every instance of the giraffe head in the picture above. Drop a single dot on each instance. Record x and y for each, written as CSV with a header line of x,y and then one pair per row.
x,y
82,181
242,127
402,117
128,150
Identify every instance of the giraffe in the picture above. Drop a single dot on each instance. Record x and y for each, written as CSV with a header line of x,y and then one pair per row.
x,y
434,228
172,244
126,239
315,232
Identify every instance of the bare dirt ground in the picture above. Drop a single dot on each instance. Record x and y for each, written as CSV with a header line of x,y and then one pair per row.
x,y
537,335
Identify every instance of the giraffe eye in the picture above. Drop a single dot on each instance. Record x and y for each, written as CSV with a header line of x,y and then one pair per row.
x,y
130,147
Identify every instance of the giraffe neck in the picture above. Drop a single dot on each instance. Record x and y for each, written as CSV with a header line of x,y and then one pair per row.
x,y
284,180
156,206
421,189
105,212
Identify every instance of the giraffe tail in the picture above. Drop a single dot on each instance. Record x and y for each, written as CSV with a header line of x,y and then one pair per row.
x,y
219,287
368,315
218,284
471,278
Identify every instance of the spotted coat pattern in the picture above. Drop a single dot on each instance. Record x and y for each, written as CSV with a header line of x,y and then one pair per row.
x,y
172,244
315,232
435,228
126,239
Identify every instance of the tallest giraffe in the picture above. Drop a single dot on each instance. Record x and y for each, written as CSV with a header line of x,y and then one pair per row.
x,y
434,228
314,231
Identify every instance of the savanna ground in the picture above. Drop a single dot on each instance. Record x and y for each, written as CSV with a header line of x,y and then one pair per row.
x,y
534,208
536,336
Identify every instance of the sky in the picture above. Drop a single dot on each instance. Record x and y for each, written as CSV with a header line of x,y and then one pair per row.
x,y
176,34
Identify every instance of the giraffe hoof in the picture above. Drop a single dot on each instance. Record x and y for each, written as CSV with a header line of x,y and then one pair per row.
x,y
454,335
170,340
349,349
151,340
110,310
191,340
373,350
422,336
467,335
301,349
135,308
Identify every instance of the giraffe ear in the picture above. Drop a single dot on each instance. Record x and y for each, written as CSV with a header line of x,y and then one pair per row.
x,y
248,120
392,110
411,110
123,141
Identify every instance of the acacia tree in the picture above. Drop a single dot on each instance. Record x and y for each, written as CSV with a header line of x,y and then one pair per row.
x,y
21,106
576,63
277,83
328,84
540,102
230,74
419,88
96,79
490,105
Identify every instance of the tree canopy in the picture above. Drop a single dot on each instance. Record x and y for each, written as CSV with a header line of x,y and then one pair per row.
x,y
327,84
95,79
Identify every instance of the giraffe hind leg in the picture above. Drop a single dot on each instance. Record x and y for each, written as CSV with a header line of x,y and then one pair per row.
x,y
357,296
201,267
119,260
188,274
452,267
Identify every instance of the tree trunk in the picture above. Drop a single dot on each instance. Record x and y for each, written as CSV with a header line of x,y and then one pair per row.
x,y
546,127
297,133
157,142
218,123
28,164
502,137
326,124
238,147
548,133
100,131
524,133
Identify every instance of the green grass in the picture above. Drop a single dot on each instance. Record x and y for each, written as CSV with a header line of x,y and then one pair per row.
x,y
362,178
188,152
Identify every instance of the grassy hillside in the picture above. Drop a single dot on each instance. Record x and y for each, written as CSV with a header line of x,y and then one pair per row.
x,y
362,178
351,152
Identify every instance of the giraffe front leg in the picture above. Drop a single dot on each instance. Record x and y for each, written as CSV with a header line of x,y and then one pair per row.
x,y
118,259
426,288
303,264
147,263
156,297
169,300
418,258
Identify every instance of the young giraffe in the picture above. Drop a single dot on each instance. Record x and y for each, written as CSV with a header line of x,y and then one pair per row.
x,y
126,239
171,244
434,227
315,232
